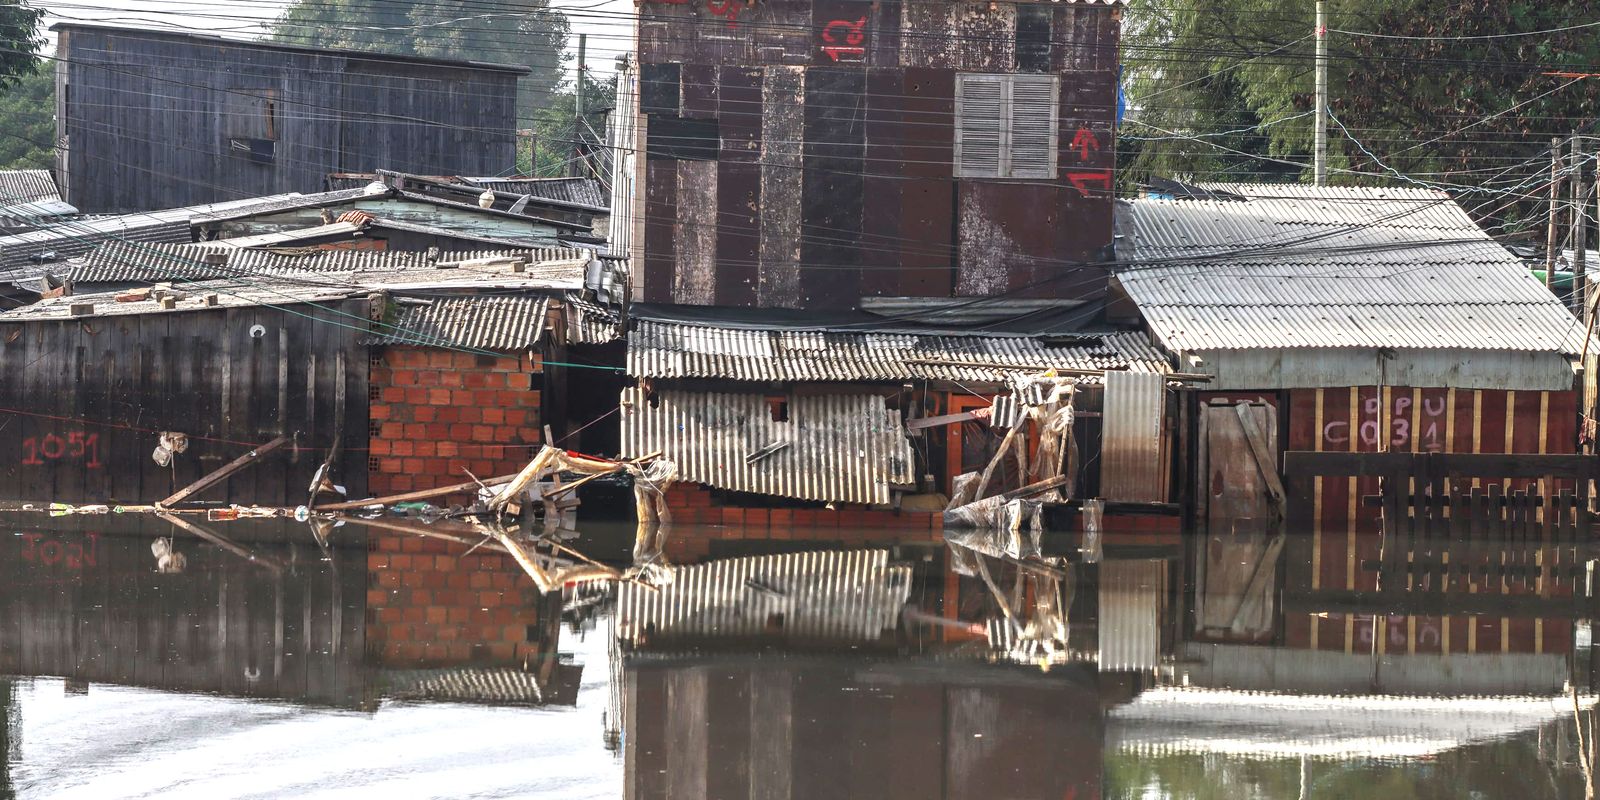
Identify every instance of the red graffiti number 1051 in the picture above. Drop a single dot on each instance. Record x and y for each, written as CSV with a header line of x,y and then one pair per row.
x,y
78,445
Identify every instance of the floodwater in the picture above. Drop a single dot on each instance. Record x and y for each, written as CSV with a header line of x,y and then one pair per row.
x,y
249,659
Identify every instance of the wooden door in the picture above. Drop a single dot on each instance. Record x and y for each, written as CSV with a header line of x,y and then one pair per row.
x,y
1239,507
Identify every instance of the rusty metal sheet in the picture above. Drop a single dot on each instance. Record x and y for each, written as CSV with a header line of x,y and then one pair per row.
x,y
854,595
881,208
738,234
695,230
831,197
739,113
660,233
1131,467
782,125
833,448
700,89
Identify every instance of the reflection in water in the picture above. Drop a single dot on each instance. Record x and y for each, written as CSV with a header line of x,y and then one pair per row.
x,y
275,659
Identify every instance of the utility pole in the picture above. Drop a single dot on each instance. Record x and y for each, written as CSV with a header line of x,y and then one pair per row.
x,y
578,150
1580,226
1320,161
1550,242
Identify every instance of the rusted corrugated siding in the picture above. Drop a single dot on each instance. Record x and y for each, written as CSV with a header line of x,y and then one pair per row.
x,y
1131,467
847,596
840,448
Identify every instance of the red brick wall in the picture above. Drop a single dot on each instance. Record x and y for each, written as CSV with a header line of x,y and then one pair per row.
x,y
435,413
430,606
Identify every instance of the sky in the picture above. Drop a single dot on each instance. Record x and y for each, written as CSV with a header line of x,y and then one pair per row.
x,y
608,32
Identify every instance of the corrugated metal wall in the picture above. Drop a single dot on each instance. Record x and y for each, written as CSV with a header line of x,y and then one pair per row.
x,y
1131,593
854,596
834,448
625,160
1131,464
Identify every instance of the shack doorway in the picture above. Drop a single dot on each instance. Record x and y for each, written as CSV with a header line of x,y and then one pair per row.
x,y
1239,494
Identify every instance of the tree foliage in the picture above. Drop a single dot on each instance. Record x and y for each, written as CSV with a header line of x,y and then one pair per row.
x,y
28,122
522,32
19,40
1221,90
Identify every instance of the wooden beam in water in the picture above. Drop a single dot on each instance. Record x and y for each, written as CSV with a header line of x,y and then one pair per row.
x,y
222,473
420,494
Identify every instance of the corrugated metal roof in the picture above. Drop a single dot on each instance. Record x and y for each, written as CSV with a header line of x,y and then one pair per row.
x,y
482,322
679,350
854,595
1302,266
590,323
291,202
34,251
228,293
833,448
582,191
27,186
140,262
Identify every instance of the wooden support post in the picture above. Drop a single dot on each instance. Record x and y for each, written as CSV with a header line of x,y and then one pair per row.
x,y
226,470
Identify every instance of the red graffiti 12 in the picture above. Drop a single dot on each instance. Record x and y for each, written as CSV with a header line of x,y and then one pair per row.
x,y
1084,181
1084,141
844,38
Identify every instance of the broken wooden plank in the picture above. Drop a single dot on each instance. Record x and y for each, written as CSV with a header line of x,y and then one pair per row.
x,y
1266,463
947,419
222,473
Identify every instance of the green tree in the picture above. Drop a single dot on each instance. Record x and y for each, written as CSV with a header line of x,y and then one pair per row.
x,y
28,122
1222,90
522,32
19,41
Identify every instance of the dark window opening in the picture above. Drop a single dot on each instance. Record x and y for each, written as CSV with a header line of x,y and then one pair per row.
x,y
779,408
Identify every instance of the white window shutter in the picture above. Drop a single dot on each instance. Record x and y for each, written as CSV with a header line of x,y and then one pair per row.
x,y
980,126
1032,151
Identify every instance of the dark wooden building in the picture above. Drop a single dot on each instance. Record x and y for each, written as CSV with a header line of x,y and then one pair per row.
x,y
833,153
155,119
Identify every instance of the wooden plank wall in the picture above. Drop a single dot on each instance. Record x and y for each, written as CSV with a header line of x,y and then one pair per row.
x,y
85,602
146,120
831,122
79,421
1346,531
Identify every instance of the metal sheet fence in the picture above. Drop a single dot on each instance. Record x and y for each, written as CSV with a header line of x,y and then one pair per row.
x,y
1131,463
834,448
843,595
